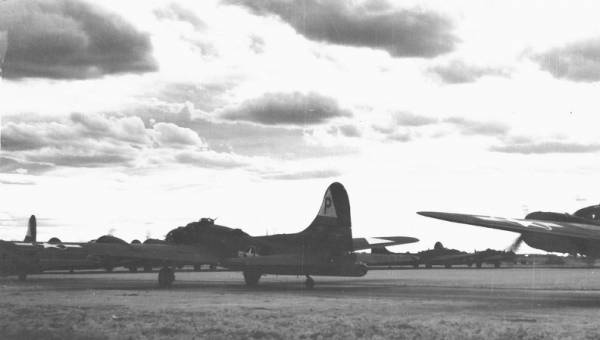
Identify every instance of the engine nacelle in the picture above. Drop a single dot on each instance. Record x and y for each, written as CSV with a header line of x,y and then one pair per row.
x,y
552,243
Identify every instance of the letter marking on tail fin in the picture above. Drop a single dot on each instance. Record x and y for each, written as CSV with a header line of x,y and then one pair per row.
x,y
327,207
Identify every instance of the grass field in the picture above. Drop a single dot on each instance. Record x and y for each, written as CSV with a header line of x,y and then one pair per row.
x,y
404,304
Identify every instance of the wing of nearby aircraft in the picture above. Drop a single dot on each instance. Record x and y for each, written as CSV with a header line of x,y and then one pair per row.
x,y
578,233
558,228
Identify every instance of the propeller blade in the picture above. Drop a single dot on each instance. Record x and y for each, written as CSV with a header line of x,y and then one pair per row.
x,y
514,247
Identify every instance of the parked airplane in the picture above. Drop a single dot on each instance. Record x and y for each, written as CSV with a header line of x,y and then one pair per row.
x,y
324,248
577,233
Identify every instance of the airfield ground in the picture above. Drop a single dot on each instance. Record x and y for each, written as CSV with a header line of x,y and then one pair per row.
x,y
412,304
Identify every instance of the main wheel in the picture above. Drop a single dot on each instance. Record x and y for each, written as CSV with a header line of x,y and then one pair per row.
x,y
22,276
309,283
496,264
478,264
133,269
428,265
147,269
251,277
447,265
166,276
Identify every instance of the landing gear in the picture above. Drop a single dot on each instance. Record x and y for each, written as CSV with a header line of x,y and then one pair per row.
x,y
415,265
309,283
428,265
22,276
478,264
447,265
147,269
197,267
166,276
496,264
108,269
251,277
133,269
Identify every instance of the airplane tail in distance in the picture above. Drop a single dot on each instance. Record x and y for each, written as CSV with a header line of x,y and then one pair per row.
x,y
31,230
332,227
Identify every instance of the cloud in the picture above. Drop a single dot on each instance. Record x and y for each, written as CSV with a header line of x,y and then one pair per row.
x,y
94,140
211,159
176,12
303,175
286,109
547,147
578,61
457,72
375,24
411,119
3,47
349,130
473,127
206,97
173,135
10,165
257,44
244,138
68,39
16,181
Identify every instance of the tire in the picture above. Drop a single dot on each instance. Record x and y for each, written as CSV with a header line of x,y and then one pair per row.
x,y
166,276
251,277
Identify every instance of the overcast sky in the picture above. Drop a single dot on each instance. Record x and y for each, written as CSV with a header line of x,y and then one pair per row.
x,y
140,116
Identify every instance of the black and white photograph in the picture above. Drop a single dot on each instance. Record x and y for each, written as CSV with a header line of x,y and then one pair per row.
x,y
299,169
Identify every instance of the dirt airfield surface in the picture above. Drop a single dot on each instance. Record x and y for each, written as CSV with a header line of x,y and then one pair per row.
x,y
484,303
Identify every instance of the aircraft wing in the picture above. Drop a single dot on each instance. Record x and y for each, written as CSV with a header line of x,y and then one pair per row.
x,y
371,242
153,252
566,229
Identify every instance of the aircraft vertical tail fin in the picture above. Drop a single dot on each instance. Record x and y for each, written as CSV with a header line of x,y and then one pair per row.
x,y
31,230
332,227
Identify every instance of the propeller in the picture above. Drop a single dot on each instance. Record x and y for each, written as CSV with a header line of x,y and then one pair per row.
x,y
514,247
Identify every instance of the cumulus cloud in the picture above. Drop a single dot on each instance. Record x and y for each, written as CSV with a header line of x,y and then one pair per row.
x,y
547,147
457,72
11,165
94,140
286,108
68,39
374,24
302,175
473,127
578,61
176,12
173,135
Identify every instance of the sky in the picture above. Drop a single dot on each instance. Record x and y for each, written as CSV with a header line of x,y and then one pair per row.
x,y
133,118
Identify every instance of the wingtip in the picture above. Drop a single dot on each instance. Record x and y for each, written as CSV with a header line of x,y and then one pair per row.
x,y
403,239
426,213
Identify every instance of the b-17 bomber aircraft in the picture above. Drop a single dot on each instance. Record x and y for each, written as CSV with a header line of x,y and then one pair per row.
x,y
577,233
439,255
325,247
